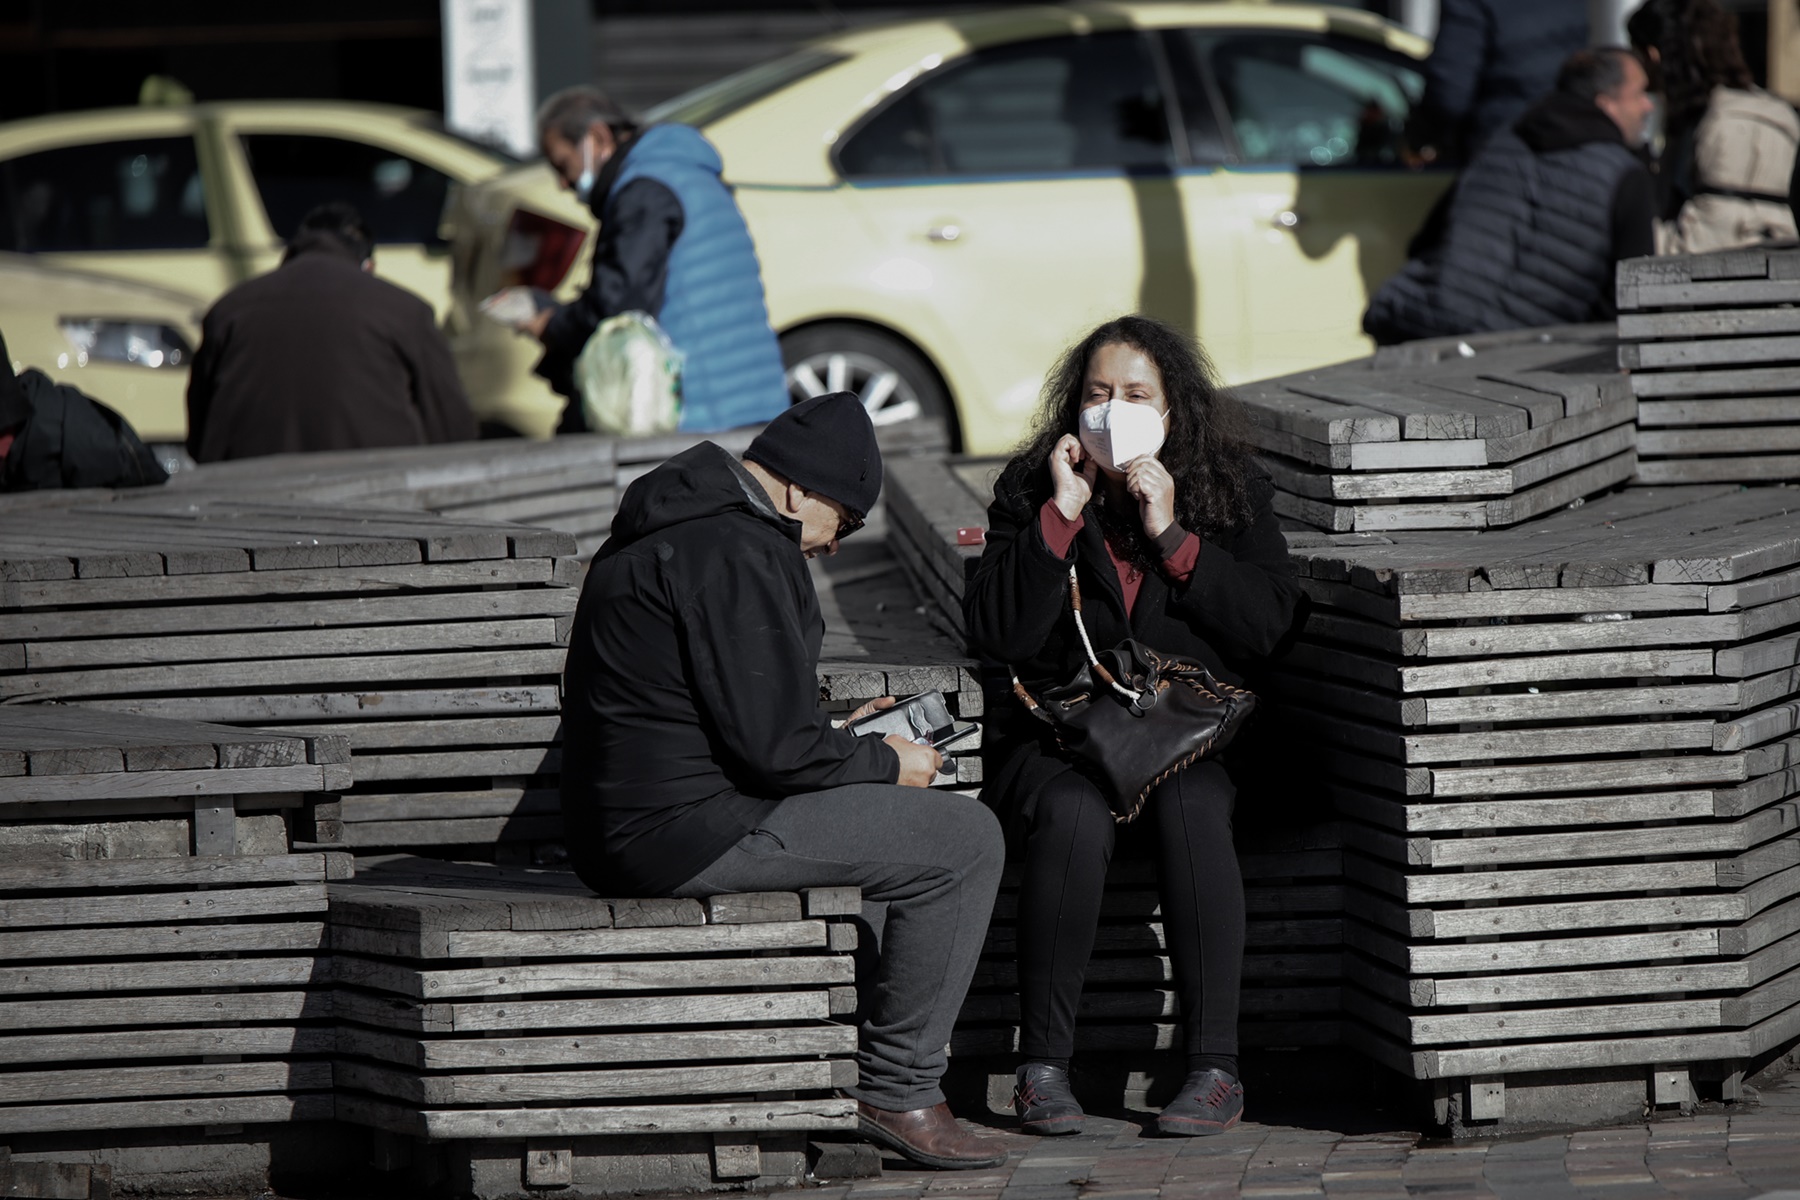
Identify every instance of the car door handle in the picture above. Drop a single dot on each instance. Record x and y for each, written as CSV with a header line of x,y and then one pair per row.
x,y
944,233
1287,218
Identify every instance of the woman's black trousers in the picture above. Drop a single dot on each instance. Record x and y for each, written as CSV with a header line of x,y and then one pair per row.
x,y
1068,846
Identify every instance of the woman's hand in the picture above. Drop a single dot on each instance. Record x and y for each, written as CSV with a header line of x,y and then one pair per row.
x,y
1072,472
1151,485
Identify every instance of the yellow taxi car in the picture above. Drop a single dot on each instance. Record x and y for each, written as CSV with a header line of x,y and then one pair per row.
x,y
941,206
200,197
124,343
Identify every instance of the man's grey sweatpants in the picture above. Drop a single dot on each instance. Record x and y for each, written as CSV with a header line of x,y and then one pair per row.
x,y
934,859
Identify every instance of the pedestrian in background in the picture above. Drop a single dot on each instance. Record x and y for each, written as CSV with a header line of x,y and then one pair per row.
x,y
1539,220
1490,60
1728,156
318,354
671,244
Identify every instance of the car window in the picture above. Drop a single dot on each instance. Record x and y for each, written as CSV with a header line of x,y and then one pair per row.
x,y
717,100
1062,104
1308,100
401,198
141,194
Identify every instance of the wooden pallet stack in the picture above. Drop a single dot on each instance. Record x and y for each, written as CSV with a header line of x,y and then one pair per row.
x,y
159,942
1713,345
571,484
1515,428
1565,756
434,645
512,1006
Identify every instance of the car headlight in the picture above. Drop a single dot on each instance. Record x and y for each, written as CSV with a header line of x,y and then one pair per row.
x,y
139,343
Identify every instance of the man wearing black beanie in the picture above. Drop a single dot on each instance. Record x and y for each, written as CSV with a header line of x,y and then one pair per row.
x,y
696,759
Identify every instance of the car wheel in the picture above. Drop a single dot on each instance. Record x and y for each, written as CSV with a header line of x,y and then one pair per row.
x,y
891,379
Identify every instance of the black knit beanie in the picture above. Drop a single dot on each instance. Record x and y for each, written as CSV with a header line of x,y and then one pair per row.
x,y
826,445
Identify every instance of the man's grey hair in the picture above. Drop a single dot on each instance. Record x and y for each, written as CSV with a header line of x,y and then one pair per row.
x,y
573,111
1586,74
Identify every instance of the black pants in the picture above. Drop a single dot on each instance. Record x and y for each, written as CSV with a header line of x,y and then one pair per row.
x,y
1069,844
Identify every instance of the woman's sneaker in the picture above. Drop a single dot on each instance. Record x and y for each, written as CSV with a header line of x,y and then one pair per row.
x,y
1210,1102
1044,1102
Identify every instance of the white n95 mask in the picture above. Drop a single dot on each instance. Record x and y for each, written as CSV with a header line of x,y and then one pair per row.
x,y
1120,430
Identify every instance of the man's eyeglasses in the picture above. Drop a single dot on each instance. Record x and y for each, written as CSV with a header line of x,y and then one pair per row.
x,y
848,524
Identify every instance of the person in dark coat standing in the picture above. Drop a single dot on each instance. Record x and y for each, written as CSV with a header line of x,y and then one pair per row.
x,y
1489,61
1137,476
696,759
320,355
671,244
1536,225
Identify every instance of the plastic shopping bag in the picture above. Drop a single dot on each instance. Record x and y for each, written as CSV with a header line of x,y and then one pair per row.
x,y
629,376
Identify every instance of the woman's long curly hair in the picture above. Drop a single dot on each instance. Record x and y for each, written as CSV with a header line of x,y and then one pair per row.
x,y
1205,451
1696,42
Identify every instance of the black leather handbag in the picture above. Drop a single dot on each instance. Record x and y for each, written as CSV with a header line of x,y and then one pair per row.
x,y
1133,716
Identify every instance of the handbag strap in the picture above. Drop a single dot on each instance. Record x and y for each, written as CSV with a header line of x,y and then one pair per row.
x,y
1093,659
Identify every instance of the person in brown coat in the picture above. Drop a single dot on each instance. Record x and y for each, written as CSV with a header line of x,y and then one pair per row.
x,y
320,355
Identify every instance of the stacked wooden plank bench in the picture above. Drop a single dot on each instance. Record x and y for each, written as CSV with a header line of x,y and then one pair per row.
x,y
571,484
1565,759
159,943
1713,345
1492,433
435,646
536,1036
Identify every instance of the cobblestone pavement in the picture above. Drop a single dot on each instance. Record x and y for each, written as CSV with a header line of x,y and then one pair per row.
x,y
1750,1150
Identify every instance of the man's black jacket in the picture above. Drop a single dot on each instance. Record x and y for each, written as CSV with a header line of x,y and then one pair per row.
x,y
690,699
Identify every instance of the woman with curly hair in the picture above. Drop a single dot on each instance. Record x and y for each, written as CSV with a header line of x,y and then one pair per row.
x,y
1135,473
1728,146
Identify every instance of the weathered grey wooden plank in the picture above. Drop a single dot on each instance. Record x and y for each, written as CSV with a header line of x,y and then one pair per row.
x,y
1380,518
1584,704
1318,420
166,1114
1716,410
288,672
479,1053
1431,748
1733,439
101,1045
1564,489
1708,295
1438,454
1740,323
74,1012
562,1015
1709,352
761,1116
1720,381
1583,666
1419,417
1589,776
1532,602
375,704
118,873
534,979
630,1083
37,594
105,1083
584,943
1747,468
58,789
158,907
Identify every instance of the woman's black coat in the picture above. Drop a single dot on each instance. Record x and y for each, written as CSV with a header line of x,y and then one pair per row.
x,y
1235,608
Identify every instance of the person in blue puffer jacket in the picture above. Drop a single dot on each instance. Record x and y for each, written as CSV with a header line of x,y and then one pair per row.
x,y
671,243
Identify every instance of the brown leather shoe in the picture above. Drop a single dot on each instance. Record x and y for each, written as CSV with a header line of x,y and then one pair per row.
x,y
930,1136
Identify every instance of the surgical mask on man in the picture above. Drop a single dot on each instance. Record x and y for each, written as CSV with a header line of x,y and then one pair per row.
x,y
584,182
1118,431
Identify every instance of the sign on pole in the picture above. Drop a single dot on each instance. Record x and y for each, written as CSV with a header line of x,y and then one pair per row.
x,y
489,86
